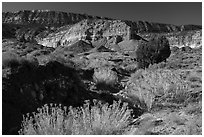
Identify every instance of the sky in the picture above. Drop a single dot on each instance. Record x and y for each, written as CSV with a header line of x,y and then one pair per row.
x,y
178,13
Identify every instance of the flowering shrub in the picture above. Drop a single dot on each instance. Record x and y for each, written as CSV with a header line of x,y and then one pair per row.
x,y
87,120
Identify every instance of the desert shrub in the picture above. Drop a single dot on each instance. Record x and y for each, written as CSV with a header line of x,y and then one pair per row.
x,y
154,51
87,120
105,77
157,86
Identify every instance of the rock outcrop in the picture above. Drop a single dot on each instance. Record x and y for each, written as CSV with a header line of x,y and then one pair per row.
x,y
45,17
51,18
186,38
92,30
53,29
144,26
78,47
191,38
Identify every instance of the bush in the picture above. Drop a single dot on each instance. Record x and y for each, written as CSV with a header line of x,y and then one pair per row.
x,y
87,120
154,51
151,87
105,77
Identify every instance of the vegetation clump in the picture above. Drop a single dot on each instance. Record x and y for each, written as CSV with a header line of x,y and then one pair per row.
x,y
105,78
154,51
160,86
87,120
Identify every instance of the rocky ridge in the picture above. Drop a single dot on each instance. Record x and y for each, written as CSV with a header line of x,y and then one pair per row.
x,y
58,18
46,17
55,29
180,39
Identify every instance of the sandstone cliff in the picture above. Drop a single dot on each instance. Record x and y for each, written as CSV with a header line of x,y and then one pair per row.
x,y
45,17
53,29
191,38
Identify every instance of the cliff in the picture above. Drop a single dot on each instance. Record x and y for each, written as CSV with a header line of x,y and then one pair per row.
x,y
46,17
191,38
53,28
50,18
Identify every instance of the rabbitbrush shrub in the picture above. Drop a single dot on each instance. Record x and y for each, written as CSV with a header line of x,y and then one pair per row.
x,y
105,77
157,86
87,120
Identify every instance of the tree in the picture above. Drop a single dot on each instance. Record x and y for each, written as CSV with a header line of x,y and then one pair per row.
x,y
154,51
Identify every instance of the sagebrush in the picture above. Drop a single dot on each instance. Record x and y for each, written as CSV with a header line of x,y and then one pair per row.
x,y
105,77
157,86
99,119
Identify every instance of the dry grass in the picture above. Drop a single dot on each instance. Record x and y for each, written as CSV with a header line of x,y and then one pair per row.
x,y
99,119
157,86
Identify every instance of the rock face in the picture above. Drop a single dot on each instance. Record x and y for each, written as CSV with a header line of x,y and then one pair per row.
x,y
53,29
51,18
129,45
114,30
144,26
191,38
79,47
186,38
45,17
95,29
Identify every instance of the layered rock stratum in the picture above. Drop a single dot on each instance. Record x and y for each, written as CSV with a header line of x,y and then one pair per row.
x,y
53,29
